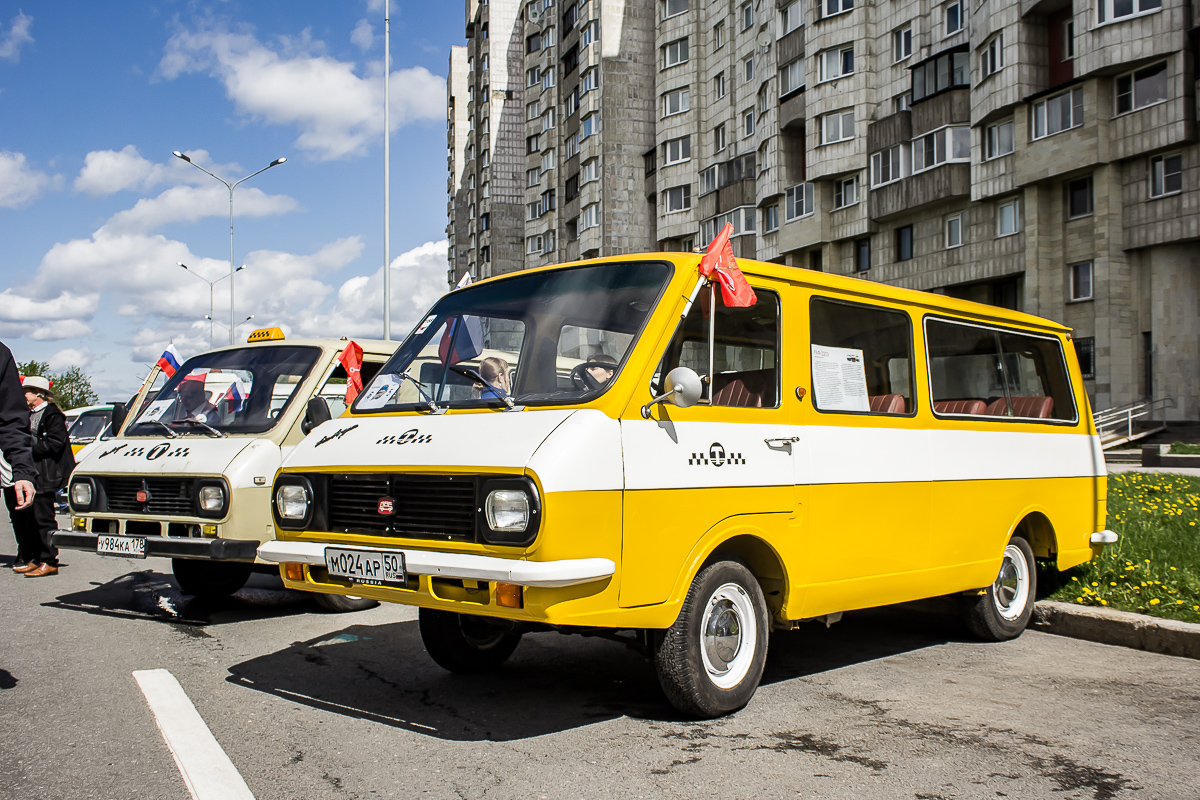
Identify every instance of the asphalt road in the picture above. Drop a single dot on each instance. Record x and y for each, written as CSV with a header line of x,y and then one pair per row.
x,y
892,703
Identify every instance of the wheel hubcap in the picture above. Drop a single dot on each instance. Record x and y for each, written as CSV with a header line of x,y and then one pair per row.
x,y
729,636
722,635
1010,592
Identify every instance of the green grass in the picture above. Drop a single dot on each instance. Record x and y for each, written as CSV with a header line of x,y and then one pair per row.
x,y
1154,568
1185,449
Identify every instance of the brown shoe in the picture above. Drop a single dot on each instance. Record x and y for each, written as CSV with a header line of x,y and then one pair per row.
x,y
42,571
30,567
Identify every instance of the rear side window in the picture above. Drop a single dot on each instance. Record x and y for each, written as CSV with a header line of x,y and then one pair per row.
x,y
978,371
861,358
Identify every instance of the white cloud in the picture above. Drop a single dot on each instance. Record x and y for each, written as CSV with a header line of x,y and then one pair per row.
x,y
19,185
18,34
108,171
70,357
363,35
190,203
337,110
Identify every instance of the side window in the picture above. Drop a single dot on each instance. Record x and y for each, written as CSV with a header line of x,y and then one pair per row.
x,y
745,351
861,358
334,390
988,372
583,351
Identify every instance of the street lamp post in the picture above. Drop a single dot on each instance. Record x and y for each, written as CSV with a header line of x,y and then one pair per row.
x,y
234,328
211,284
231,187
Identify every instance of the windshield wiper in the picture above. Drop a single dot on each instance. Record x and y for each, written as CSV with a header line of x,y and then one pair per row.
x,y
471,372
433,407
161,424
203,424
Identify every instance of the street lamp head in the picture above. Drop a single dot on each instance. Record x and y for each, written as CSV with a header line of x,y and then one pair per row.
x,y
178,154
239,269
279,160
180,263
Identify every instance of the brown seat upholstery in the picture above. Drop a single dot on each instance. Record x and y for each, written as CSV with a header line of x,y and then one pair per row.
x,y
960,406
888,404
748,389
1030,407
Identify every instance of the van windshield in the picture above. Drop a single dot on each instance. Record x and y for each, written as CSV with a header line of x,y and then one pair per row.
x,y
229,391
542,338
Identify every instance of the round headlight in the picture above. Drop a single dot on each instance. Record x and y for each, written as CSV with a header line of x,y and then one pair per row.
x,y
81,494
291,501
212,498
507,510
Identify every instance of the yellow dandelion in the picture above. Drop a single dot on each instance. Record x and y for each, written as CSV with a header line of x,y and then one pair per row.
x,y
1095,584
1103,602
1154,602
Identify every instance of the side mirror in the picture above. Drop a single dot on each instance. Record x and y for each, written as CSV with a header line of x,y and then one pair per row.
x,y
119,413
316,412
682,388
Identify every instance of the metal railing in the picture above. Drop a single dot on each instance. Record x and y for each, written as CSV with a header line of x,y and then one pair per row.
x,y
1116,425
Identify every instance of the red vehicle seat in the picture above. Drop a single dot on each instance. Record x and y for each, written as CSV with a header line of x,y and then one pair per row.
x,y
888,404
960,406
749,389
1029,407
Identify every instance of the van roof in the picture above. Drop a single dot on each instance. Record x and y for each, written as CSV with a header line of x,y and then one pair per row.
x,y
842,283
373,346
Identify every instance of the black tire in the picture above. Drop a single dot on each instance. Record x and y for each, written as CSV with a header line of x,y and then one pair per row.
x,y
340,604
465,644
210,579
1002,611
711,660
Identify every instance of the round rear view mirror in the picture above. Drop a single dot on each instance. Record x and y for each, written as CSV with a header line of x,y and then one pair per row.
x,y
683,387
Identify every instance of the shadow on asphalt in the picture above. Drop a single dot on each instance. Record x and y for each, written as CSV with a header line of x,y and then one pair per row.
x,y
552,683
155,596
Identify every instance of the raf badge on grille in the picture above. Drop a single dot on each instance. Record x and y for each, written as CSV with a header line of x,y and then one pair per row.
x,y
387,506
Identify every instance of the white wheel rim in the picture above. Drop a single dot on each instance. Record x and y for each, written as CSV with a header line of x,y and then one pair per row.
x,y
728,636
1010,592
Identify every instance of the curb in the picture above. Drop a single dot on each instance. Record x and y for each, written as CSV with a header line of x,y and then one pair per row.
x,y
1121,628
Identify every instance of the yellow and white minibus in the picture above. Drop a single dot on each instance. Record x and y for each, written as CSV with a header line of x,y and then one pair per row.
x,y
605,447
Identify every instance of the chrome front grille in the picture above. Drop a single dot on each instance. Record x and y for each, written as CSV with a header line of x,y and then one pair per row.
x,y
168,496
426,506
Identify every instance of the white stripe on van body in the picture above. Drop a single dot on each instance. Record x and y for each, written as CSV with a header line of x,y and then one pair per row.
x,y
701,455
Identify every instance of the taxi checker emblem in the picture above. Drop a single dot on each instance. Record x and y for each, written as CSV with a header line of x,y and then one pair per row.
x,y
387,506
716,456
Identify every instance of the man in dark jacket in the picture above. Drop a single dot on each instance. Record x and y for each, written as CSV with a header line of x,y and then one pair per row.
x,y
16,458
53,462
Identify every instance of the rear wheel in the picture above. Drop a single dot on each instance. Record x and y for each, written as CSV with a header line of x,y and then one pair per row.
x,y
340,604
464,643
210,579
1003,610
711,660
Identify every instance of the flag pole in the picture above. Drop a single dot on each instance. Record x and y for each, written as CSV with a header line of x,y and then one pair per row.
x,y
387,184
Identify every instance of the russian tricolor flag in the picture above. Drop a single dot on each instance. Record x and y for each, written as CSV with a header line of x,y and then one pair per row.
x,y
170,360
235,397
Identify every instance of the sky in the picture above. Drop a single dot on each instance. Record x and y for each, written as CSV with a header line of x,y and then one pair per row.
x,y
96,213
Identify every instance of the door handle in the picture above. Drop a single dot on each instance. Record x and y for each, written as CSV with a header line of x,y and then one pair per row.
x,y
782,443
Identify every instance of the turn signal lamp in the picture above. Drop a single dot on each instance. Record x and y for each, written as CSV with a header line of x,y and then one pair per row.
x,y
509,595
79,523
293,571
265,335
208,530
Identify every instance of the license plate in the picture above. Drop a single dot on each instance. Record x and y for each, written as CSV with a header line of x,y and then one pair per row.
x,y
368,567
127,546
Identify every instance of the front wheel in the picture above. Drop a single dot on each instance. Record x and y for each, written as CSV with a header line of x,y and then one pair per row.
x,y
210,579
1002,611
340,604
464,643
711,660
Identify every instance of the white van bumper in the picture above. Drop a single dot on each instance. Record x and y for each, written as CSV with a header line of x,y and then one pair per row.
x,y
548,574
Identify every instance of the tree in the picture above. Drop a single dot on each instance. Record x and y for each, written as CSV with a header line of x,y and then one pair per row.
x,y
71,387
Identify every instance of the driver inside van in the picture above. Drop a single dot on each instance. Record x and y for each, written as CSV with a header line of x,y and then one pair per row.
x,y
600,374
495,372
193,402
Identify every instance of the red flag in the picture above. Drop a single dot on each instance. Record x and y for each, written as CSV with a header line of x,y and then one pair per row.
x,y
351,359
719,258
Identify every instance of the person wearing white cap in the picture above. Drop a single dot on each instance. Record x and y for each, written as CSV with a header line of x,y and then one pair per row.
x,y
53,461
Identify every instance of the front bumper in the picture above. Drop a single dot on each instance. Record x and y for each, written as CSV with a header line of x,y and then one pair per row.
x,y
542,574
216,549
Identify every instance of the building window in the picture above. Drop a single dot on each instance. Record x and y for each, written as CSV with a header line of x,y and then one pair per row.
x,y
533,244
676,151
1112,10
549,248
798,202
589,217
547,161
589,172
533,110
837,127
1085,350
954,231
718,36
1166,175
904,243
485,254
571,146
571,188
570,16
485,158
533,43
791,77
748,69
533,144
548,119
533,177
889,165
485,221
1057,114
748,123
571,103
534,210
992,57
708,180
941,146
998,140
742,219
845,192
673,8
589,80
790,18
548,201
591,32
946,71
862,255
764,157
590,125
1008,218
1142,88
675,53
548,38
718,83
678,198
835,63
831,7
764,99
548,77
902,43
747,15
719,138
953,14
533,76
1081,281
1079,198
770,218
1068,30
676,102
903,102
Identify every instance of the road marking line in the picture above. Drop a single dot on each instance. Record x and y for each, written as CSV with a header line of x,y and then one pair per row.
x,y
207,771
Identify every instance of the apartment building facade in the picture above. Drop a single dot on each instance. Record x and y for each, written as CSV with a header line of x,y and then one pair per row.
x,y
1035,155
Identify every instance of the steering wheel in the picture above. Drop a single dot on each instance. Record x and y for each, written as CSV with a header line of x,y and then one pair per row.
x,y
584,380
